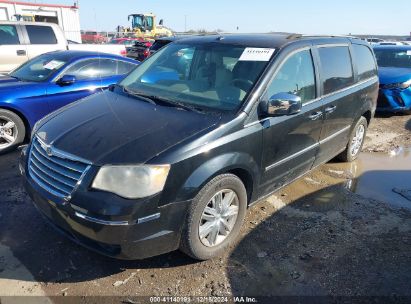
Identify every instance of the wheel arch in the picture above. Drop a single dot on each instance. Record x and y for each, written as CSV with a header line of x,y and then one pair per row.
x,y
239,164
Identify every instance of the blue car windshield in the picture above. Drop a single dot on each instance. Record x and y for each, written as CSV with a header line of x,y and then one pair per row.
x,y
393,58
39,69
212,76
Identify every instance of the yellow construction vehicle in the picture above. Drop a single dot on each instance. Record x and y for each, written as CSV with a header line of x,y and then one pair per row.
x,y
144,26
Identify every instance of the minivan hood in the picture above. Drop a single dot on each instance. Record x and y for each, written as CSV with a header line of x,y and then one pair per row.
x,y
109,128
394,75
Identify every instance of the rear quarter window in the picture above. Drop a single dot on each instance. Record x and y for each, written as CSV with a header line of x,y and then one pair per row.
x,y
41,34
365,62
336,68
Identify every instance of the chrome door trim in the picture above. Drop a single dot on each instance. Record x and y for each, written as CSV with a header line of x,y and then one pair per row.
x,y
284,160
334,135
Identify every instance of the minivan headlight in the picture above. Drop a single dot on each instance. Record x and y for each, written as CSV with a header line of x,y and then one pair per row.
x,y
132,182
400,85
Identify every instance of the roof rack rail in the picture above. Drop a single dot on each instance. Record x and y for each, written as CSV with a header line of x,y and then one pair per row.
x,y
329,36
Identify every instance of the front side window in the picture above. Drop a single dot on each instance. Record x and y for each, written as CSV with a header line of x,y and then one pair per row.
x,y
395,58
295,76
211,75
365,62
41,34
98,68
8,35
336,68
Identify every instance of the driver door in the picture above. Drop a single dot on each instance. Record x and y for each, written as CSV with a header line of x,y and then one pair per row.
x,y
290,143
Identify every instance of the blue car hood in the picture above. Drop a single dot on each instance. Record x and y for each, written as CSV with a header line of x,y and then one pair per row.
x,y
14,88
7,79
394,75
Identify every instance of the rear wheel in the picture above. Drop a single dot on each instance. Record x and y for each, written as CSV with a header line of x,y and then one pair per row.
x,y
356,141
12,130
215,218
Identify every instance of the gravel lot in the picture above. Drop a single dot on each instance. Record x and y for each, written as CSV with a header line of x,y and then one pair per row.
x,y
314,237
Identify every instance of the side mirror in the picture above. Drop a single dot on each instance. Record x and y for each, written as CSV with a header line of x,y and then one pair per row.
x,y
66,80
284,104
161,22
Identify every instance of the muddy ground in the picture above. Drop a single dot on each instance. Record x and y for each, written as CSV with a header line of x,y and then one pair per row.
x,y
339,231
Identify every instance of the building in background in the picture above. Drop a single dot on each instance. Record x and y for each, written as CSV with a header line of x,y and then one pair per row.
x,y
66,16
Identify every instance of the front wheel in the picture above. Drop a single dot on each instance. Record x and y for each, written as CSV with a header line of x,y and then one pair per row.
x,y
356,141
12,130
214,218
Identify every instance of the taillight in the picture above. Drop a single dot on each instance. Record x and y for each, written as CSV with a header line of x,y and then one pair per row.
x,y
123,52
146,53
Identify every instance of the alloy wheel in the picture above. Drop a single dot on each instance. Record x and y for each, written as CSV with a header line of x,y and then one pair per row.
x,y
218,218
357,140
8,132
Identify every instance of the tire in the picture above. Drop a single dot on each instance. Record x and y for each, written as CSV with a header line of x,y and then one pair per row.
x,y
202,248
355,143
17,132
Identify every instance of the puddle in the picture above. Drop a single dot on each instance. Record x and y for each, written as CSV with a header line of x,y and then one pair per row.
x,y
379,176
384,177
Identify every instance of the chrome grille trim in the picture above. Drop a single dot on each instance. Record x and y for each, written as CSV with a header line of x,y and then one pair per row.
x,y
56,172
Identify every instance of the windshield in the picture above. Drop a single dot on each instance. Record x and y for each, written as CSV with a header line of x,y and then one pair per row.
x,y
137,21
208,75
39,69
393,58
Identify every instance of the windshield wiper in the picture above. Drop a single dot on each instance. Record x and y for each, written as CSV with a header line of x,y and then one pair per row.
x,y
139,95
177,104
154,99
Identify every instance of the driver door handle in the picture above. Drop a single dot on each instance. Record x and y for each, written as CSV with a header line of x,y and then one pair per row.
x,y
330,109
21,53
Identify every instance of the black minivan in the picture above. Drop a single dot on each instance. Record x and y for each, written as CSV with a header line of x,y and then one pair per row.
x,y
173,155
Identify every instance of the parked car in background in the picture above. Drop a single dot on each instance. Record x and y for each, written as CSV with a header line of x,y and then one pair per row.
x,y
395,78
125,41
21,41
148,167
374,40
49,82
140,50
391,43
93,37
161,42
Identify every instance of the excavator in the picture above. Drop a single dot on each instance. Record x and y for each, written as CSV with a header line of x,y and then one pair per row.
x,y
144,26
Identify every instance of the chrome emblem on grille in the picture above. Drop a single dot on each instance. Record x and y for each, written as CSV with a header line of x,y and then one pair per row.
x,y
48,149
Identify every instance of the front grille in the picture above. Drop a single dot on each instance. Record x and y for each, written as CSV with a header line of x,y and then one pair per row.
x,y
53,170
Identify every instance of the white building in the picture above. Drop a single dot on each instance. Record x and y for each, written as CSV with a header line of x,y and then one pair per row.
x,y
66,16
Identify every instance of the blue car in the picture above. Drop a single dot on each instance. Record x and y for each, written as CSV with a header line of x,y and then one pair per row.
x,y
49,82
395,78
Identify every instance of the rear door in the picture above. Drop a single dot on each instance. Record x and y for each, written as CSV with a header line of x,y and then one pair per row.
x,y
291,142
92,76
12,50
41,39
338,97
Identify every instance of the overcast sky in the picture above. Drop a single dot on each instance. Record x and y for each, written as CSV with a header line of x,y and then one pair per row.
x,y
308,17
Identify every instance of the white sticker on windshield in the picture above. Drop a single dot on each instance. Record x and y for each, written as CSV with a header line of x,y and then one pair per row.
x,y
409,53
53,65
257,54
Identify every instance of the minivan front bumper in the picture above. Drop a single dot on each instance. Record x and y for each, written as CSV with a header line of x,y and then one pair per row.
x,y
117,236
